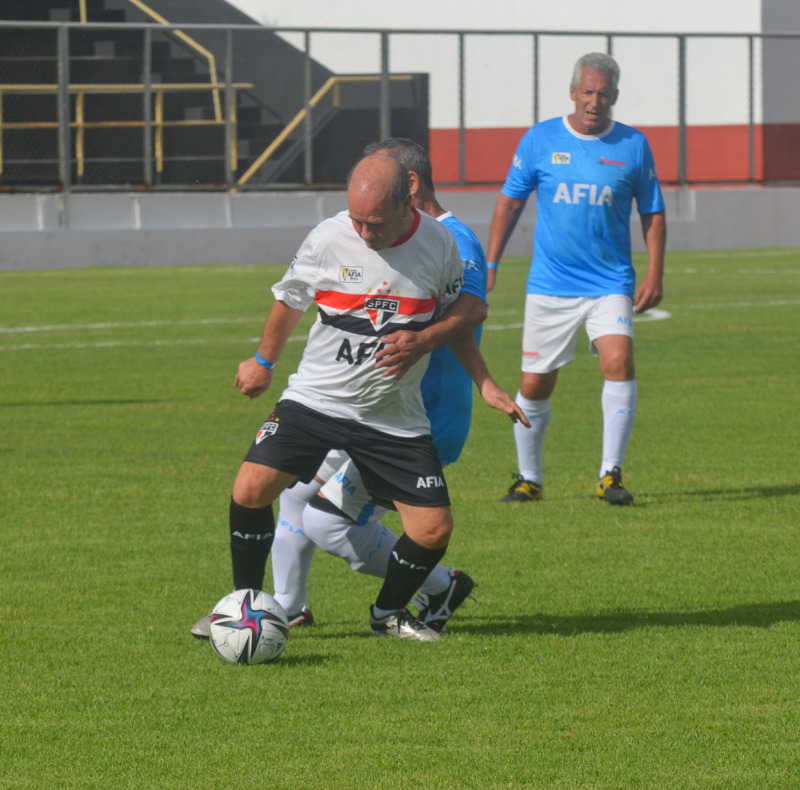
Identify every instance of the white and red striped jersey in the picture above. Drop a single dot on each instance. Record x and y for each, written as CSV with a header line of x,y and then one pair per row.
x,y
362,295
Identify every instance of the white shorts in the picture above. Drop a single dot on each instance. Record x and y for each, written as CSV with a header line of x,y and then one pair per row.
x,y
345,489
552,323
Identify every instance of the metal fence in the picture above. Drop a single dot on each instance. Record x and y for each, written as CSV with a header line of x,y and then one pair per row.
x,y
92,106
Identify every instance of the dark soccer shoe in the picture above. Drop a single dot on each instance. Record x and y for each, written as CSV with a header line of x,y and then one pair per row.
x,y
610,488
522,491
436,610
302,619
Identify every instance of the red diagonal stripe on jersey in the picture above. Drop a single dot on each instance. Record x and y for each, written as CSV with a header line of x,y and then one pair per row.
x,y
345,301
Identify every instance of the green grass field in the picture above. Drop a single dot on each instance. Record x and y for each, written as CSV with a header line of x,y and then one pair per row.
x,y
656,646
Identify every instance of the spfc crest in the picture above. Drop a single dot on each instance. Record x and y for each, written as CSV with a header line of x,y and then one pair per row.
x,y
381,310
269,427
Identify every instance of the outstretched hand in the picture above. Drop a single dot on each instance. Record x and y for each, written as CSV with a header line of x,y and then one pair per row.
x,y
496,397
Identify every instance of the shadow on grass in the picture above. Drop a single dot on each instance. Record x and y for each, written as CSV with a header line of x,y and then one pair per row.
x,y
759,615
748,492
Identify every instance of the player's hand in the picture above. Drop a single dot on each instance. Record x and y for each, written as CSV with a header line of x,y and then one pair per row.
x,y
252,379
491,279
400,350
496,397
648,294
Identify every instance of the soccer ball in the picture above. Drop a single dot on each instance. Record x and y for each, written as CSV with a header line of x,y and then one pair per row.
x,y
248,627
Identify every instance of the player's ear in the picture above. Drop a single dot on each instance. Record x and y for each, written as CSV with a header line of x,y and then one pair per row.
x,y
413,181
615,97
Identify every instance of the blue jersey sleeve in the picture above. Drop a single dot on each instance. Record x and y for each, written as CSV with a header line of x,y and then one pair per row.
x,y
473,258
649,199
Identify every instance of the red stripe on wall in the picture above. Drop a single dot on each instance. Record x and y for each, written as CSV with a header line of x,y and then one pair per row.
x,y
713,153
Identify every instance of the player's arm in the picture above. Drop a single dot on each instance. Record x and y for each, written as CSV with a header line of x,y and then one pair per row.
x,y
651,289
402,349
255,374
507,212
469,355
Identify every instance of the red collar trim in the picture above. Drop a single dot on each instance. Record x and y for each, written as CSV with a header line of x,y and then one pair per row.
x,y
411,232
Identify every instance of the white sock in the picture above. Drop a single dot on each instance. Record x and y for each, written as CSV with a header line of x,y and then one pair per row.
x,y
365,547
292,550
619,413
530,441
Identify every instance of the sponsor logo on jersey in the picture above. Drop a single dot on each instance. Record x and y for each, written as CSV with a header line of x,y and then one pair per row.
x,y
516,162
561,158
268,428
593,194
351,274
604,161
381,309
432,481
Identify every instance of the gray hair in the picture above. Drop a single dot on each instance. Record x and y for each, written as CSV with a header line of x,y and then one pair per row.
x,y
409,153
600,62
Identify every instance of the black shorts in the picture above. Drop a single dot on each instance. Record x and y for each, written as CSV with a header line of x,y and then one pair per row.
x,y
296,439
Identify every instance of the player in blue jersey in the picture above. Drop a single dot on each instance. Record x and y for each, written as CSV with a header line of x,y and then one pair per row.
x,y
586,169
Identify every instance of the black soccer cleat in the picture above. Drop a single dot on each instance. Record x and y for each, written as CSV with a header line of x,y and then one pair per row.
x,y
522,491
610,488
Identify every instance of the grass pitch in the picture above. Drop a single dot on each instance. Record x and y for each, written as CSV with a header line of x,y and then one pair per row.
x,y
654,646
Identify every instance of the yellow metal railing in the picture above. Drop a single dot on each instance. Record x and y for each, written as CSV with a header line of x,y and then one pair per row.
x,y
80,124
209,56
332,84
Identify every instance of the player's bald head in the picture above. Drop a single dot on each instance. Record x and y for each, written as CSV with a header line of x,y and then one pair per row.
x,y
379,175
379,201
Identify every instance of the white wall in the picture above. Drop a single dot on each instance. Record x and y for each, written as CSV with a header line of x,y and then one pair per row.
x,y
648,87
681,16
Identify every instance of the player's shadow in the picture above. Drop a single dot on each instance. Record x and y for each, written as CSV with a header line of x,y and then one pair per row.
x,y
739,493
761,615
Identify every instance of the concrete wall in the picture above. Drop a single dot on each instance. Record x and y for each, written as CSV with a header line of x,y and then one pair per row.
x,y
40,232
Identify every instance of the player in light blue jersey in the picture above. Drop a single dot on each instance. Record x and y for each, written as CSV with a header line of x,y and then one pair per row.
x,y
587,170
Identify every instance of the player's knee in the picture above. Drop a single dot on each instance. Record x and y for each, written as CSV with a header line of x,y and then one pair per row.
x,y
253,487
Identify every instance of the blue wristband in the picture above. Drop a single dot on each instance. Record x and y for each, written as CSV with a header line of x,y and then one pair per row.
x,y
263,362
491,265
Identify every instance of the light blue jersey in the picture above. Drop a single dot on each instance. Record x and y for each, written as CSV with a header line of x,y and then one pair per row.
x,y
585,186
446,386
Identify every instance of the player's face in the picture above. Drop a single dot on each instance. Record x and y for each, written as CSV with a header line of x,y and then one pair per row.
x,y
593,99
378,221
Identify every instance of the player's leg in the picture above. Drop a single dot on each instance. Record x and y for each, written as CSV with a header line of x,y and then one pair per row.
x,y
549,340
292,553
291,444
408,472
610,328
416,553
252,521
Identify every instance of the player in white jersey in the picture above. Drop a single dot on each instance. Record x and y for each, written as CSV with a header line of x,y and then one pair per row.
x,y
344,519
382,276
586,169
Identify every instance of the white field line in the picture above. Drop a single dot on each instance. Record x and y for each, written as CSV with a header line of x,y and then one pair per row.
x,y
652,315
